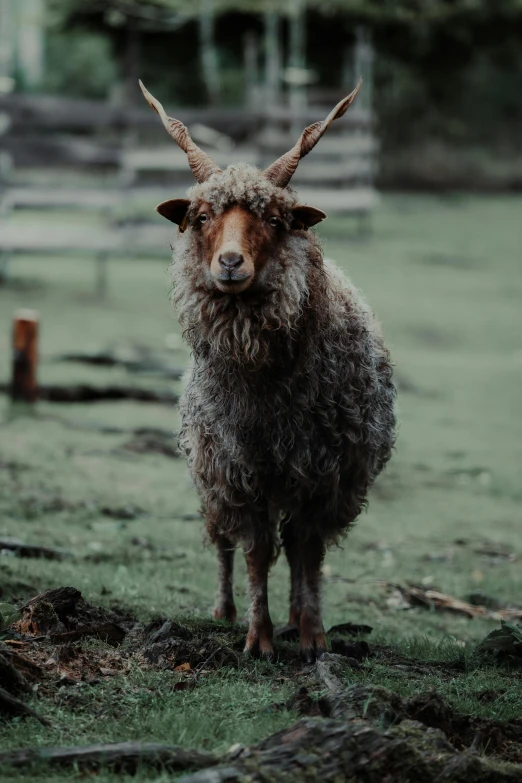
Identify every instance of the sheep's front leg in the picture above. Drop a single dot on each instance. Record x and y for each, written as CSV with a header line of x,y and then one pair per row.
x,y
312,638
260,632
225,608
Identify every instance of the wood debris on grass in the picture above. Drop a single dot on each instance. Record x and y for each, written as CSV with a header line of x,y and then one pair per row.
x,y
154,441
61,616
121,756
17,677
12,707
53,627
133,360
88,393
442,602
13,545
361,733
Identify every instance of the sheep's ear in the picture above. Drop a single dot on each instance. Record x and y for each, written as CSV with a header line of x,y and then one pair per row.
x,y
305,217
175,210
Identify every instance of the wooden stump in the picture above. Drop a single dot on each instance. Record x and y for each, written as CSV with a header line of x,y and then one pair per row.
x,y
25,341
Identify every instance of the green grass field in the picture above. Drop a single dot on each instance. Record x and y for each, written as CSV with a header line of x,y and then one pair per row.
x,y
444,276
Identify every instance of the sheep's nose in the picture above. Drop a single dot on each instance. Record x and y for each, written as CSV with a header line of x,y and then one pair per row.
x,y
230,260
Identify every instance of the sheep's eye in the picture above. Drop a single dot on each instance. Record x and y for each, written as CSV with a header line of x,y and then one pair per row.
x,y
274,222
202,218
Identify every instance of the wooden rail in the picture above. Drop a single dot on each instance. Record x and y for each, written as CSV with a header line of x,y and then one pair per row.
x,y
52,141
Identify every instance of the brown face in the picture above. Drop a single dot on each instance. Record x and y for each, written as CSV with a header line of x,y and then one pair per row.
x,y
236,244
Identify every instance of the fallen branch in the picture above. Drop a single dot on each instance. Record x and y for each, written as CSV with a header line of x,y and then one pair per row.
x,y
87,393
433,599
32,550
12,707
16,671
121,756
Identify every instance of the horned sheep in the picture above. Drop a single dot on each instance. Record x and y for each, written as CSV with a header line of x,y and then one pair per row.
x,y
288,413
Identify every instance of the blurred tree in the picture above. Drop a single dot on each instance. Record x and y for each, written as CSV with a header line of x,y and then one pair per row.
x,y
91,68
449,70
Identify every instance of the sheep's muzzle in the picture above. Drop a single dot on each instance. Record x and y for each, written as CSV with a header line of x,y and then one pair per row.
x,y
232,258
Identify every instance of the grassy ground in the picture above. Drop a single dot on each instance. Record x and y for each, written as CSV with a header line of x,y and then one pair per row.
x,y
444,277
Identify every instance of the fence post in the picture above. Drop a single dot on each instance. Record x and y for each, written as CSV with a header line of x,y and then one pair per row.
x,y
25,356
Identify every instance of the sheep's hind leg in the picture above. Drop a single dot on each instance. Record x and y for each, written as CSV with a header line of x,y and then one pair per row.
x,y
290,542
260,632
312,638
225,608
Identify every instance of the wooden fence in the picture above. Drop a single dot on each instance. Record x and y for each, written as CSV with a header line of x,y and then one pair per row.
x,y
87,155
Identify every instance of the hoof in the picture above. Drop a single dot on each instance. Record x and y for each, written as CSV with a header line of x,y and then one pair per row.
x,y
259,644
312,646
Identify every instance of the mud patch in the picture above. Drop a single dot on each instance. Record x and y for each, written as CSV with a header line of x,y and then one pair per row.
x,y
86,393
153,441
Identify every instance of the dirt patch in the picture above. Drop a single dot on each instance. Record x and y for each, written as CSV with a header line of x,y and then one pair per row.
x,y
125,513
497,738
86,393
502,739
153,441
424,736
133,359
62,615
167,644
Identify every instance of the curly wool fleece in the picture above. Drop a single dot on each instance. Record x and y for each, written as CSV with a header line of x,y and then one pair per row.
x,y
289,406
243,184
